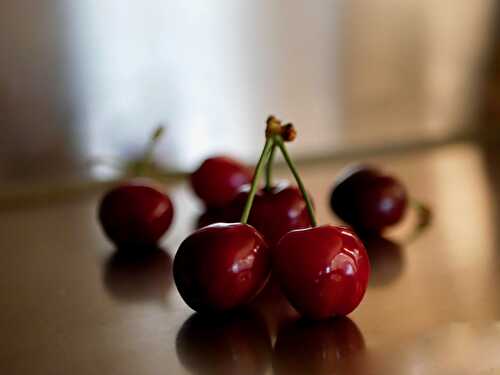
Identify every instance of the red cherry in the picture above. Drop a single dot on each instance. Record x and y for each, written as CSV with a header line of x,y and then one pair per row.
x,y
135,214
228,344
333,346
218,179
221,266
323,271
368,200
275,212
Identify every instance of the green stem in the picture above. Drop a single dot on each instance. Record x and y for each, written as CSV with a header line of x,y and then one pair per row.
x,y
269,168
145,163
279,142
424,217
256,177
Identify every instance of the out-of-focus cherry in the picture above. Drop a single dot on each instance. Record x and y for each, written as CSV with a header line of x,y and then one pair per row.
x,y
275,212
217,180
368,200
135,214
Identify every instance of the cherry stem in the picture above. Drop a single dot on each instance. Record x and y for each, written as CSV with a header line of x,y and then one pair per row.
x,y
278,139
145,163
424,217
269,168
424,213
264,156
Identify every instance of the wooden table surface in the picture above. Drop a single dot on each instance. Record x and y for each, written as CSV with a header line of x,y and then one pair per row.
x,y
70,305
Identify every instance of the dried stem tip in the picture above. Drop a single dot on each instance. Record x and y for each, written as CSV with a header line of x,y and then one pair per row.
x,y
288,132
273,126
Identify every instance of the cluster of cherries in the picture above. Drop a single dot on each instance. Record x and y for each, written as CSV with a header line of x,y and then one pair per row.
x,y
322,270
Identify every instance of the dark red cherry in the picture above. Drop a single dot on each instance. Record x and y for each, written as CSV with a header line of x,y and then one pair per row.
x,y
135,214
218,179
221,266
229,344
333,346
368,200
275,212
323,271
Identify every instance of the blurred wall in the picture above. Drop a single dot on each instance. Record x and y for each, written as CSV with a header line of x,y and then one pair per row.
x,y
87,78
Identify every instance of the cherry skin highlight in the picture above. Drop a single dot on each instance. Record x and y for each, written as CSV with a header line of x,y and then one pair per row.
x,y
221,267
368,200
323,271
135,214
275,212
218,179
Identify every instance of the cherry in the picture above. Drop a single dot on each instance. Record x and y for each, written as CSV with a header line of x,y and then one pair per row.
x,y
323,270
135,214
227,344
368,200
326,347
218,179
221,266
276,210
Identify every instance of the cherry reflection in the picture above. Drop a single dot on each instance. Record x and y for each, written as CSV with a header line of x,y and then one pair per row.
x,y
236,343
333,346
386,260
274,308
138,275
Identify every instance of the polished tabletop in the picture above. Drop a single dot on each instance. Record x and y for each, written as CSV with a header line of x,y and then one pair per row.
x,y
69,304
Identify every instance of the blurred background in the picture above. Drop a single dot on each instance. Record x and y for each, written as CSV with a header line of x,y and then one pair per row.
x,y
90,79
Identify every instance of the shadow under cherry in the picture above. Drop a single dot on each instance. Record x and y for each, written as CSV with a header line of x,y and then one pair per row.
x,y
138,275
387,260
230,343
333,346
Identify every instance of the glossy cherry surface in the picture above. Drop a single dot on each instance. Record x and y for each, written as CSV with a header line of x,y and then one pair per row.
x,y
218,179
331,346
221,266
275,211
368,200
228,344
323,271
135,214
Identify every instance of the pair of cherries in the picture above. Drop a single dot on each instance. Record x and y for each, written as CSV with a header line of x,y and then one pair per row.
x,y
323,270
